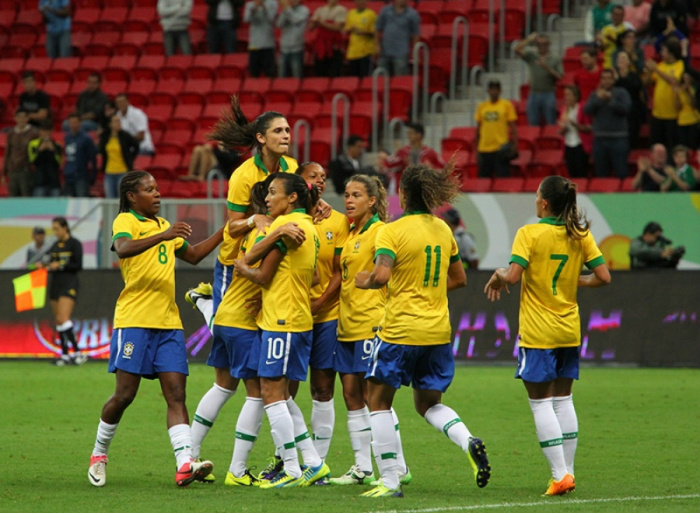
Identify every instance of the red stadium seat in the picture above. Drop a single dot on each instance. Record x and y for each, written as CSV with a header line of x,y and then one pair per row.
x,y
476,184
151,61
600,184
521,165
627,185
531,184
507,185
582,184
188,111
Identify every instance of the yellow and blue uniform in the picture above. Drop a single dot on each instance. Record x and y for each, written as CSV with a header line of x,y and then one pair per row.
x,y
286,320
549,316
332,233
360,310
148,336
413,341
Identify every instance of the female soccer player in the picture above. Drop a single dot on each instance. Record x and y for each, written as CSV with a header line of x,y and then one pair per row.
x,y
418,260
286,275
148,340
66,260
549,256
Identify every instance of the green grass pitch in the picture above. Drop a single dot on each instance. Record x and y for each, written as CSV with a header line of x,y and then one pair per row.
x,y
639,447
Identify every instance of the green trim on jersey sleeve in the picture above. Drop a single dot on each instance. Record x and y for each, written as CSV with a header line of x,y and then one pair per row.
x,y
259,239
237,208
182,248
120,235
282,246
599,260
515,259
455,258
384,251
338,251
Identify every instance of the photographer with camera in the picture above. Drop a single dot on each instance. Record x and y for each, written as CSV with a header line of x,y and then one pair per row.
x,y
653,250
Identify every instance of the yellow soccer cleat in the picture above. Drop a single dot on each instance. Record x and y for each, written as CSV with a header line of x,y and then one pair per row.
x,y
201,291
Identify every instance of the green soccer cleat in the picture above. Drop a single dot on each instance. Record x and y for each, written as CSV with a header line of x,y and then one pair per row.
x,y
354,476
479,461
246,479
383,491
404,479
202,291
282,480
314,474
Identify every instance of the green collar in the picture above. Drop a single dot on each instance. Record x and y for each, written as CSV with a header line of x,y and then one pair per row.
x,y
372,220
414,212
138,216
552,220
299,211
259,162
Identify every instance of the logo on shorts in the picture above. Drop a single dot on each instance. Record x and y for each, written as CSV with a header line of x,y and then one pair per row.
x,y
128,350
270,362
329,235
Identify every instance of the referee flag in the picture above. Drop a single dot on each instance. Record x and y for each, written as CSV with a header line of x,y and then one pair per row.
x,y
30,290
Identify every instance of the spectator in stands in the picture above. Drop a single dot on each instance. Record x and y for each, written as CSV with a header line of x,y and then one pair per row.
x,y
39,252
610,33
134,121
56,15
206,157
45,156
465,240
496,137
608,106
596,18
398,30
110,110
665,76
328,21
16,169
575,126
631,82
670,33
80,169
653,250
651,172
415,152
545,71
637,13
360,28
681,176
35,102
90,105
661,11
223,19
119,150
175,20
688,114
292,21
348,163
261,14
627,43
588,77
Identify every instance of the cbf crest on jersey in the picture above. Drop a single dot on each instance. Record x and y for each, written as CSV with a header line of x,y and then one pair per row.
x,y
329,235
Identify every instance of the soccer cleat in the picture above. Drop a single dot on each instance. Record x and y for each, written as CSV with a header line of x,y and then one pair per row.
x,y
312,475
246,479
273,468
209,479
353,476
383,491
80,359
281,480
479,461
202,291
62,361
193,470
567,484
404,479
97,473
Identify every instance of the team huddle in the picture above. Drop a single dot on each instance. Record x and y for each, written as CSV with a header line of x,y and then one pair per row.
x,y
302,290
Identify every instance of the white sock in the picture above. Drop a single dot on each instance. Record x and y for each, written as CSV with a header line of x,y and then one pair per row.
x,y
549,435
282,428
302,437
361,438
206,306
247,429
105,433
566,415
207,411
384,444
399,446
181,440
445,419
322,424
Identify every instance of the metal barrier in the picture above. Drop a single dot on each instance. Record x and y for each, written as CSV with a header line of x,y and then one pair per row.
x,y
215,174
334,122
502,32
379,72
417,49
301,123
491,41
552,19
473,74
434,99
393,123
459,21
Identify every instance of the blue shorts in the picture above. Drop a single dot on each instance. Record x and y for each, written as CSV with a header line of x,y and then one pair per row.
x,y
223,274
353,357
147,352
543,365
423,367
323,346
284,354
237,343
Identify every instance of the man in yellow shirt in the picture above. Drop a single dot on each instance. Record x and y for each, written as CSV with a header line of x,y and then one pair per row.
x,y
496,137
665,76
360,24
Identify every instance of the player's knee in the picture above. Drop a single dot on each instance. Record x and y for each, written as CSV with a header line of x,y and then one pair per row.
x,y
322,392
123,398
353,400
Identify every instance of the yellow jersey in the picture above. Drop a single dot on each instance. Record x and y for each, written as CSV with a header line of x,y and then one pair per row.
x,y
552,261
606,34
148,298
360,46
240,184
688,115
232,311
423,248
115,160
664,106
332,233
286,299
360,310
494,120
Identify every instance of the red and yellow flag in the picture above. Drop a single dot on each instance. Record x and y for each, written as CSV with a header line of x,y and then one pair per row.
x,y
30,290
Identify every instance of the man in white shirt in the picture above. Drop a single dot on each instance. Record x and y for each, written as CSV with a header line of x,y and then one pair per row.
x,y
135,122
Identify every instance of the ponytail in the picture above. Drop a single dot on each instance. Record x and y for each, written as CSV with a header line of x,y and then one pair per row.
x,y
375,189
560,193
